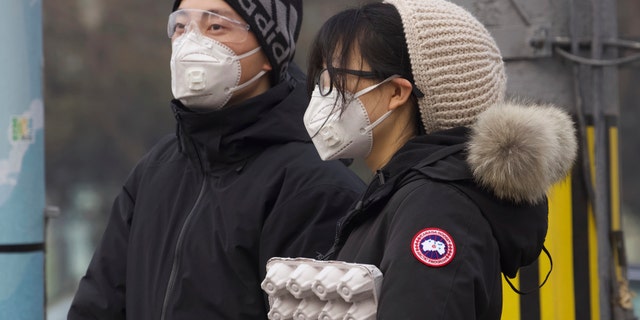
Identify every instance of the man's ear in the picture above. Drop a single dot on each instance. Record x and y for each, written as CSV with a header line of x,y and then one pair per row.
x,y
401,91
267,66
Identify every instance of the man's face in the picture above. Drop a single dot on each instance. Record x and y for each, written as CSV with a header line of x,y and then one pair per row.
x,y
251,65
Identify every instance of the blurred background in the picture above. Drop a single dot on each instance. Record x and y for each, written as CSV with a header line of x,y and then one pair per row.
x,y
106,97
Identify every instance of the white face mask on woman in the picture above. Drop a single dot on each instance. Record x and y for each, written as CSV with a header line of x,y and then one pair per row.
x,y
341,131
204,72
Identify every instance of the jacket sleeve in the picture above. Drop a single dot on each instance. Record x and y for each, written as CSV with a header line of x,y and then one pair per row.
x,y
101,292
304,225
461,289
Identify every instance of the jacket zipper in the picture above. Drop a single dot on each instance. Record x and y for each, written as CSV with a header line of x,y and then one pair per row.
x,y
176,254
360,204
341,225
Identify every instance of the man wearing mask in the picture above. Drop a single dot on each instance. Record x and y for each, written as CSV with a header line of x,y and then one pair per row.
x,y
239,182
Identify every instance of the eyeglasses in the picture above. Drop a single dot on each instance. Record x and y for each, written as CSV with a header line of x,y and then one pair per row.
x,y
324,80
211,24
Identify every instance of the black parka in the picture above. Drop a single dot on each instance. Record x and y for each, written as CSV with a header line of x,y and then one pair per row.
x,y
428,185
199,216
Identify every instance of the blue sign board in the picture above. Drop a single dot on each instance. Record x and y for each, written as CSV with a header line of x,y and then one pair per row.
x,y
22,193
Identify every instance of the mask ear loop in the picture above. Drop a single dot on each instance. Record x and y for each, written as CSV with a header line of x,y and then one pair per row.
x,y
249,53
543,282
375,123
252,80
367,90
246,84
373,87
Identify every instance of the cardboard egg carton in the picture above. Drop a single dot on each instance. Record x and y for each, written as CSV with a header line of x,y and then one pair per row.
x,y
305,289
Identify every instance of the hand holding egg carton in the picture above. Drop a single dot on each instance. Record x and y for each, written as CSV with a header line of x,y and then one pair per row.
x,y
305,289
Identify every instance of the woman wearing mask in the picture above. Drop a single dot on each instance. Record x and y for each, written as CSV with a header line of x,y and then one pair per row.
x,y
416,88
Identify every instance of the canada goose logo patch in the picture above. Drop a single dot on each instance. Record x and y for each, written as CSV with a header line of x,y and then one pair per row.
x,y
433,247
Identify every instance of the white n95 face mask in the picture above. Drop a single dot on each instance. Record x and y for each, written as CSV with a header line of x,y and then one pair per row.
x,y
341,131
204,72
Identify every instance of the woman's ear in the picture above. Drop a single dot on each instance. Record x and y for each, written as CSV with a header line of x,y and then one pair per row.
x,y
401,91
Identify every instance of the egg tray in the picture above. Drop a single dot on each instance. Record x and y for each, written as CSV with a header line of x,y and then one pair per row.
x,y
305,289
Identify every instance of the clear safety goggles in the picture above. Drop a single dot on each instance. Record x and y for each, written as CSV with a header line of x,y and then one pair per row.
x,y
210,24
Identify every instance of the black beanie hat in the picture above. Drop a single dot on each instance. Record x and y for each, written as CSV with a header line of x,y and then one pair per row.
x,y
276,25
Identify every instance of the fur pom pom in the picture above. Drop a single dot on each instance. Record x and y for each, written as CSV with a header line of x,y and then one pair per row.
x,y
519,151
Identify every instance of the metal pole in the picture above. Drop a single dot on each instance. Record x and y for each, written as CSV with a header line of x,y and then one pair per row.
x,y
602,201
22,194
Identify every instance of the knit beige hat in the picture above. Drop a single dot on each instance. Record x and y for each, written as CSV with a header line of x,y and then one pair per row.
x,y
455,62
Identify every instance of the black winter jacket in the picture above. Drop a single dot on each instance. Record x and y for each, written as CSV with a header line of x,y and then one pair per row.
x,y
199,216
436,227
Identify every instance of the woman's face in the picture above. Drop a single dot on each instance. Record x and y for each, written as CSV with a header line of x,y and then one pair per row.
x,y
375,101
393,95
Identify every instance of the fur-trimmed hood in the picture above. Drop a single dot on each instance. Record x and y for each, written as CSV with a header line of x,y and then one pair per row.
x,y
506,162
518,150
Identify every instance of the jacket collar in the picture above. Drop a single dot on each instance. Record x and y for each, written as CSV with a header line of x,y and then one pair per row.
x,y
422,155
426,150
236,133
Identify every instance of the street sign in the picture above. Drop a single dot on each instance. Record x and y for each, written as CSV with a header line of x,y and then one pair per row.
x,y
22,192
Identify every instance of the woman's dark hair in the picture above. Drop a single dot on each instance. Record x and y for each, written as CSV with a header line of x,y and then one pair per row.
x,y
376,29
